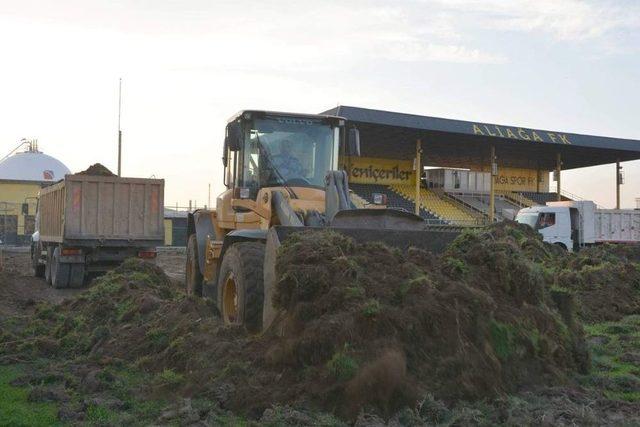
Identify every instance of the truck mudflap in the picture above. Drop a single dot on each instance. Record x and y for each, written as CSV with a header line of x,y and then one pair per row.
x,y
412,234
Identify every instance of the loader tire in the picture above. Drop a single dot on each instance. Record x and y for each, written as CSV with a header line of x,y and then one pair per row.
x,y
240,285
193,275
60,271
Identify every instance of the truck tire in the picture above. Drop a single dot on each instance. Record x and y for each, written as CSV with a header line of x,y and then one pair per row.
x,y
240,285
38,269
60,271
193,275
76,275
47,266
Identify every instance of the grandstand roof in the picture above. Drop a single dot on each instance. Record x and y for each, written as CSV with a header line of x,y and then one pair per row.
x,y
459,143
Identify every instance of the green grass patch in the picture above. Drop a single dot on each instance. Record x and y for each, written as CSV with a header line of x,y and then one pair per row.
x,y
610,342
169,376
456,266
100,415
371,308
15,408
342,366
502,337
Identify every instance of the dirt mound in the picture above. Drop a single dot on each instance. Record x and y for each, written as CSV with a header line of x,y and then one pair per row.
x,y
366,326
369,321
605,280
97,170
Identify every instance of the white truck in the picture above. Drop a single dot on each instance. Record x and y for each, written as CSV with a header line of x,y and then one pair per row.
x,y
574,224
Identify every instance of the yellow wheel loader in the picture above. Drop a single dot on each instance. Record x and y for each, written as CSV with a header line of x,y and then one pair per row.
x,y
281,171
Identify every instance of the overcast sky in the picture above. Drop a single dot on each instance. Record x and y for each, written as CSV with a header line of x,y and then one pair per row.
x,y
188,65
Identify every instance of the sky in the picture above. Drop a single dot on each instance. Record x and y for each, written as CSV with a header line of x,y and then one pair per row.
x,y
188,65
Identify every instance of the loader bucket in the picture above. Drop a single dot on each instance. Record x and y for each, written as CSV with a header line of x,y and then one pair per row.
x,y
394,228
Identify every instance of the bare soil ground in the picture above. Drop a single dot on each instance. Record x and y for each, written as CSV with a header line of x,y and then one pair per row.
x,y
173,263
20,290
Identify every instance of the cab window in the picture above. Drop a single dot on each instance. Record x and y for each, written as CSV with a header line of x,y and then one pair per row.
x,y
546,220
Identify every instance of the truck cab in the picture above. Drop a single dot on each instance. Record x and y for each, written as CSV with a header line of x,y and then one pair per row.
x,y
570,224
553,222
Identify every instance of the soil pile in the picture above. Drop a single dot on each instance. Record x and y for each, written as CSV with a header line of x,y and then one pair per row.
x,y
132,337
97,170
605,280
373,326
364,326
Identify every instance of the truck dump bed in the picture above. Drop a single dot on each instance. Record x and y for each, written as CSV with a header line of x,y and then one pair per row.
x,y
617,225
109,210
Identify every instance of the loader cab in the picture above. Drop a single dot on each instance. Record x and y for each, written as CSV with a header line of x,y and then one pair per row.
x,y
266,149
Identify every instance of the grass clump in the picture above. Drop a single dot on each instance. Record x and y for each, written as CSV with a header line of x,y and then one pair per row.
x,y
371,308
342,366
170,377
502,339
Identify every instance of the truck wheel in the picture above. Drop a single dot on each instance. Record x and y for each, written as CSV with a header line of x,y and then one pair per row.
x,y
59,271
76,275
240,285
38,269
47,266
193,276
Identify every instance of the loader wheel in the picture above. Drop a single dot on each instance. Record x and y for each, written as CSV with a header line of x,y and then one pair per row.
x,y
193,276
240,285
59,271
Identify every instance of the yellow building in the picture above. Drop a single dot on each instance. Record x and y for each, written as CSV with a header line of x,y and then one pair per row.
x,y
22,175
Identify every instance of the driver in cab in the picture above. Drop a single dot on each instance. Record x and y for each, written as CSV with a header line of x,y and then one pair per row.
x,y
286,162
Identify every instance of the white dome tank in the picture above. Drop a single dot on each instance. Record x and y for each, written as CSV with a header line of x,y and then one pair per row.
x,y
32,166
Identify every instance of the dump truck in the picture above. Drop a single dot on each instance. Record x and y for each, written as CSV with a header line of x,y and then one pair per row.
x,y
281,172
86,223
575,224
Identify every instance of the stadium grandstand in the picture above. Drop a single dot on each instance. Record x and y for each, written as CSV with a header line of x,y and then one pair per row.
x,y
469,172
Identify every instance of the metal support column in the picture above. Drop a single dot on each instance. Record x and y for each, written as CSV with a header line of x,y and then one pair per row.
x,y
492,191
418,174
558,171
119,129
618,182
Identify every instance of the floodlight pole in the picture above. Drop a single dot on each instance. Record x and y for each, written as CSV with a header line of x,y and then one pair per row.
x,y
418,174
492,186
558,171
119,129
618,182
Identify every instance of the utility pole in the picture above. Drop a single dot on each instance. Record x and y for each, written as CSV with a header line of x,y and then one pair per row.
x,y
618,182
492,186
119,129
558,172
209,199
418,174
